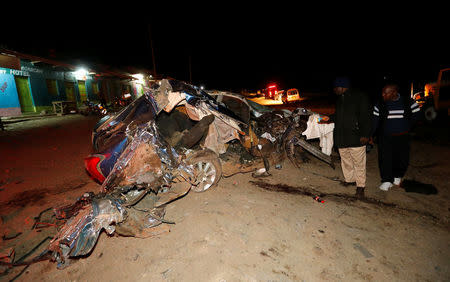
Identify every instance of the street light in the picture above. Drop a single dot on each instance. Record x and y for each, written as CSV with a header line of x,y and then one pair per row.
x,y
139,77
80,74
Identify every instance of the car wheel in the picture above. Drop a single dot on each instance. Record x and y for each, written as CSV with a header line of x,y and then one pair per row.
x,y
207,171
430,113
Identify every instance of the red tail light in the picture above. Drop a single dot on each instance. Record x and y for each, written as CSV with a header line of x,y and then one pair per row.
x,y
92,165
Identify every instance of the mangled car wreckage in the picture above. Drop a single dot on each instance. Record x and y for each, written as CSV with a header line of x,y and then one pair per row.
x,y
164,144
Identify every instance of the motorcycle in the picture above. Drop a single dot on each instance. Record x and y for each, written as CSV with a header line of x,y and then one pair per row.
x,y
93,109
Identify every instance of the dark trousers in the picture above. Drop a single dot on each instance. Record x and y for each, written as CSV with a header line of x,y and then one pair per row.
x,y
393,156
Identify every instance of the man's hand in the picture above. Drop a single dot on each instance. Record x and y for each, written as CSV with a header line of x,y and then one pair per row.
x,y
364,140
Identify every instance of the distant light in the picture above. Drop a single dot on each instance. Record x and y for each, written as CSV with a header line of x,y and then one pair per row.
x,y
202,87
272,86
139,77
80,74
127,95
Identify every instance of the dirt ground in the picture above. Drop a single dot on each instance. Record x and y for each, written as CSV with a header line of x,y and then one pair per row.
x,y
245,229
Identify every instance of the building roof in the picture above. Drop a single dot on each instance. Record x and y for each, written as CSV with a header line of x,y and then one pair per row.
x,y
100,70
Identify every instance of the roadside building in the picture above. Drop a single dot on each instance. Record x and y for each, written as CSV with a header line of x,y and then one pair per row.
x,y
30,84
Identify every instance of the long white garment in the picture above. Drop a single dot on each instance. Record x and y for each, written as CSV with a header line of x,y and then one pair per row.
x,y
322,131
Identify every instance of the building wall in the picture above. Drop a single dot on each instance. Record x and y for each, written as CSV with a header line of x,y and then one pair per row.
x,y
38,87
110,88
61,90
90,91
9,101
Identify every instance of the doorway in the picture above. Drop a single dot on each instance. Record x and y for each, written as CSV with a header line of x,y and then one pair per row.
x,y
23,90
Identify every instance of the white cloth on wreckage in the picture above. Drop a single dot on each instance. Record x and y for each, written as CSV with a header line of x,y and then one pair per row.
x,y
322,131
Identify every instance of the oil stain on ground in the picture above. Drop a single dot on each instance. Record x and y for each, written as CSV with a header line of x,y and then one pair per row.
x,y
335,197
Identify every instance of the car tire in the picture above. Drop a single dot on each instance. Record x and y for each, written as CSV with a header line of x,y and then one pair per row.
x,y
430,113
207,170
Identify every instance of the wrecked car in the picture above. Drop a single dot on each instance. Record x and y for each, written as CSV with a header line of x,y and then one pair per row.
x,y
194,118
272,134
164,144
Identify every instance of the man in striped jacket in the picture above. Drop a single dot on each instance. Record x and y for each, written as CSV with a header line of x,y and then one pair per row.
x,y
393,117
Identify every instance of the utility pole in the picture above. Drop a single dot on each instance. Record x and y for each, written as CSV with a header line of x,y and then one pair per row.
x,y
151,46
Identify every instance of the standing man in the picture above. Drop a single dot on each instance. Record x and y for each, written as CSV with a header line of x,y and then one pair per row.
x,y
351,132
394,116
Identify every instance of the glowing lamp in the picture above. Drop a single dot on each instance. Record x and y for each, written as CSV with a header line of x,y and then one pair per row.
x,y
80,74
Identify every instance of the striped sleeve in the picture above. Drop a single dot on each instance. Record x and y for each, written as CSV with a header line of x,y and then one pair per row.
x,y
375,120
376,111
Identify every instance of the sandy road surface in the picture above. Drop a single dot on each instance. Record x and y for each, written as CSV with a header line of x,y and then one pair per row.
x,y
239,231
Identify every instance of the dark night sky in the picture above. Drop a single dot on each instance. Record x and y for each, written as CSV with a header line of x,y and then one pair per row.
x,y
238,54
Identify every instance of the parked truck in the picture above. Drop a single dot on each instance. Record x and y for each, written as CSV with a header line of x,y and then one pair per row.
x,y
435,98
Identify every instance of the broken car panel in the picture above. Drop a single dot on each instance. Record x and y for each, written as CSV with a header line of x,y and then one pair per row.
x,y
272,132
